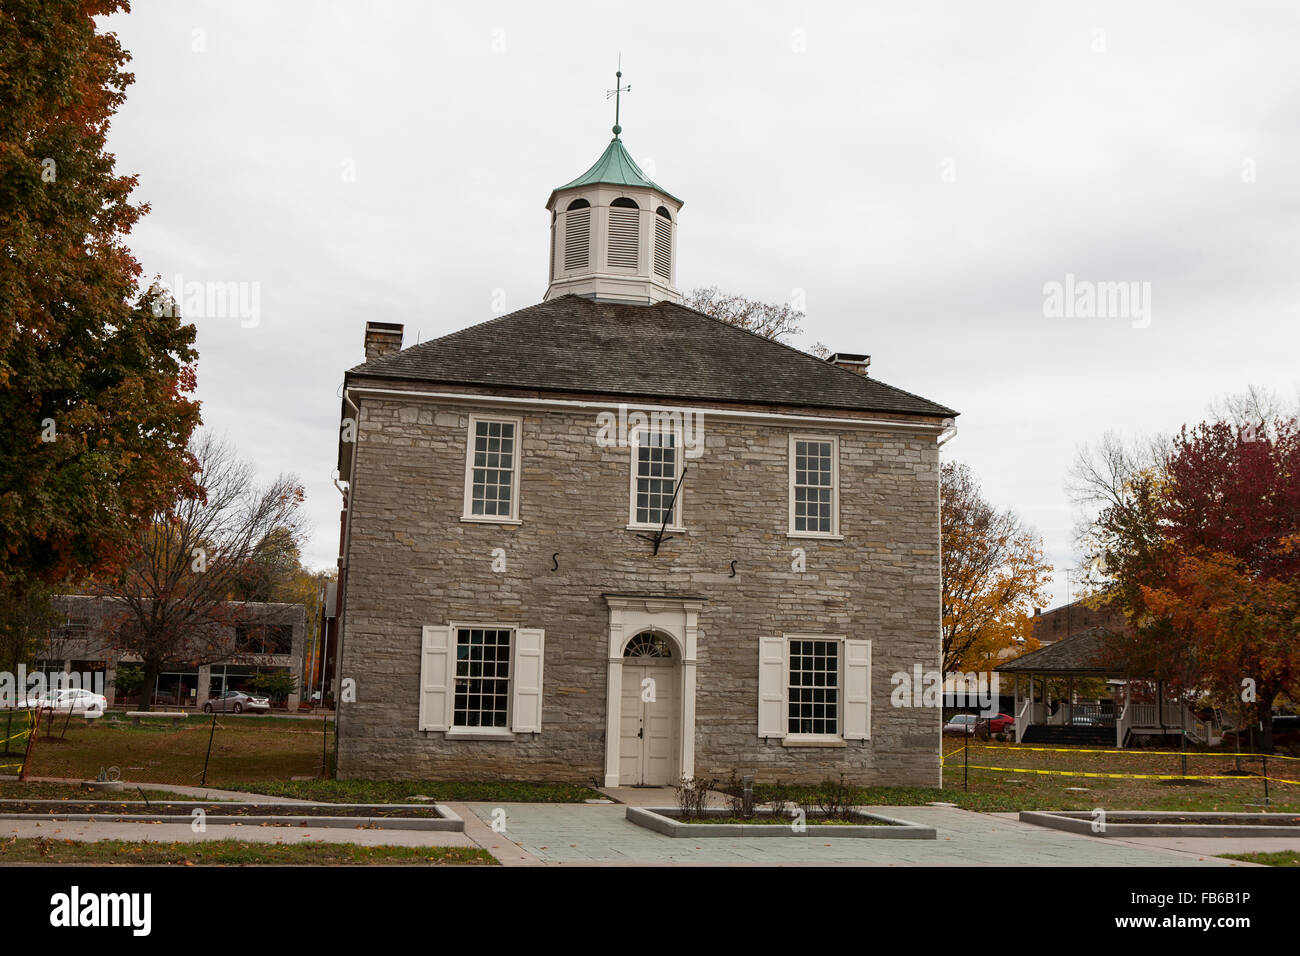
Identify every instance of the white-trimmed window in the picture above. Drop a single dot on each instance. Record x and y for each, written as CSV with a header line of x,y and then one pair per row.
x,y
812,699
492,470
479,679
481,693
814,689
656,469
814,486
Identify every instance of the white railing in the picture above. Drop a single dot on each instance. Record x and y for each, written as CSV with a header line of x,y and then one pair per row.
x,y
1123,723
1022,720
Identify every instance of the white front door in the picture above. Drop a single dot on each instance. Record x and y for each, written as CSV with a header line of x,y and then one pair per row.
x,y
648,728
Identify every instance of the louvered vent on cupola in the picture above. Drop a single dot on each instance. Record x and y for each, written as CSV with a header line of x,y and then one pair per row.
x,y
624,217
577,235
663,243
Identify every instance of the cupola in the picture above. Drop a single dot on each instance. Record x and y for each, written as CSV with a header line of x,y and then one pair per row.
x,y
614,232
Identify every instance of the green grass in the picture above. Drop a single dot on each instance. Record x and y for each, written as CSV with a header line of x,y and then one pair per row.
x,y
235,853
243,748
12,790
402,791
1010,790
1278,858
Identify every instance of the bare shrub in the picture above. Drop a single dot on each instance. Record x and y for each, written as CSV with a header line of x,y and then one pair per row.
x,y
693,796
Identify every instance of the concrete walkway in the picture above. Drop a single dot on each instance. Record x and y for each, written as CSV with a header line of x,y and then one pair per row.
x,y
539,834
568,834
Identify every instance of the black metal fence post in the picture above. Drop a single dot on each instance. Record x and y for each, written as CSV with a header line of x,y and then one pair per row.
x,y
211,733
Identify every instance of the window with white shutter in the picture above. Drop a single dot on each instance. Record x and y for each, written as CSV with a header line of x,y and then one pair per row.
x,y
814,689
624,234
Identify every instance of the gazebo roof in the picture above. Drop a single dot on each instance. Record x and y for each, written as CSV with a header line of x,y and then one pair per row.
x,y
1088,652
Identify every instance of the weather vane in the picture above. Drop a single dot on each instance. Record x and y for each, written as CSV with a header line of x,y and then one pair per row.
x,y
617,92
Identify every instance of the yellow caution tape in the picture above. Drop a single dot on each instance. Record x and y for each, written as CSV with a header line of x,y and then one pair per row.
x,y
1113,776
1151,753
1129,776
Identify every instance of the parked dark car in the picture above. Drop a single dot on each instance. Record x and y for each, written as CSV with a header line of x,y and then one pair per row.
x,y
236,702
1286,733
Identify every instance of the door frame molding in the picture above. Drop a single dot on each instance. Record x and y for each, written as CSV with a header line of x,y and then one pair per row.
x,y
675,618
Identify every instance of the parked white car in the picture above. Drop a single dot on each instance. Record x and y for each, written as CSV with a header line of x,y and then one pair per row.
x,y
82,703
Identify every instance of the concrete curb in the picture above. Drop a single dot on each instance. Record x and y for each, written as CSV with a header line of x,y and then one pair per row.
x,y
447,820
655,818
1076,821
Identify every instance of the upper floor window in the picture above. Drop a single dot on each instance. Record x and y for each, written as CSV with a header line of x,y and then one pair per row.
x,y
577,235
656,467
624,233
663,244
814,486
492,470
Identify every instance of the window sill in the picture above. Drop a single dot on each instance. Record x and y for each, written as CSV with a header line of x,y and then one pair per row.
x,y
810,536
813,742
654,527
482,519
466,733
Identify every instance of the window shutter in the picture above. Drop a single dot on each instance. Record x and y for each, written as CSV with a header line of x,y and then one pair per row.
x,y
577,238
663,248
857,690
771,686
623,244
527,670
435,660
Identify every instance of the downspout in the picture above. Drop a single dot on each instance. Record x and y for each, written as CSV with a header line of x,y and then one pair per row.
x,y
341,588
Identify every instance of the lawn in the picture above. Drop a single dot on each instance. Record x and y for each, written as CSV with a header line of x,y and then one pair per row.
x,y
408,791
1280,858
243,748
12,790
1007,790
235,853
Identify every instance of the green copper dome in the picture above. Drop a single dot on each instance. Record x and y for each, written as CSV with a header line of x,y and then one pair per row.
x,y
616,167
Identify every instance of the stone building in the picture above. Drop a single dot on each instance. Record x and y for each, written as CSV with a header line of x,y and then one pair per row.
x,y
610,539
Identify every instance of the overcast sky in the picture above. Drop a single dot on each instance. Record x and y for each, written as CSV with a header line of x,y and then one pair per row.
x,y
918,172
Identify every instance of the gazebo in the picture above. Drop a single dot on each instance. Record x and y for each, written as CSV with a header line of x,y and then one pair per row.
x,y
1115,717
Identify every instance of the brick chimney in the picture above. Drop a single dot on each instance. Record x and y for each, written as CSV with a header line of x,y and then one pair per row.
x,y
382,338
851,361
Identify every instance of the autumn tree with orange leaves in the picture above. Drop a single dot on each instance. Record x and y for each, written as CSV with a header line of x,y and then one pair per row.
x,y
95,382
1227,583
1197,539
994,574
